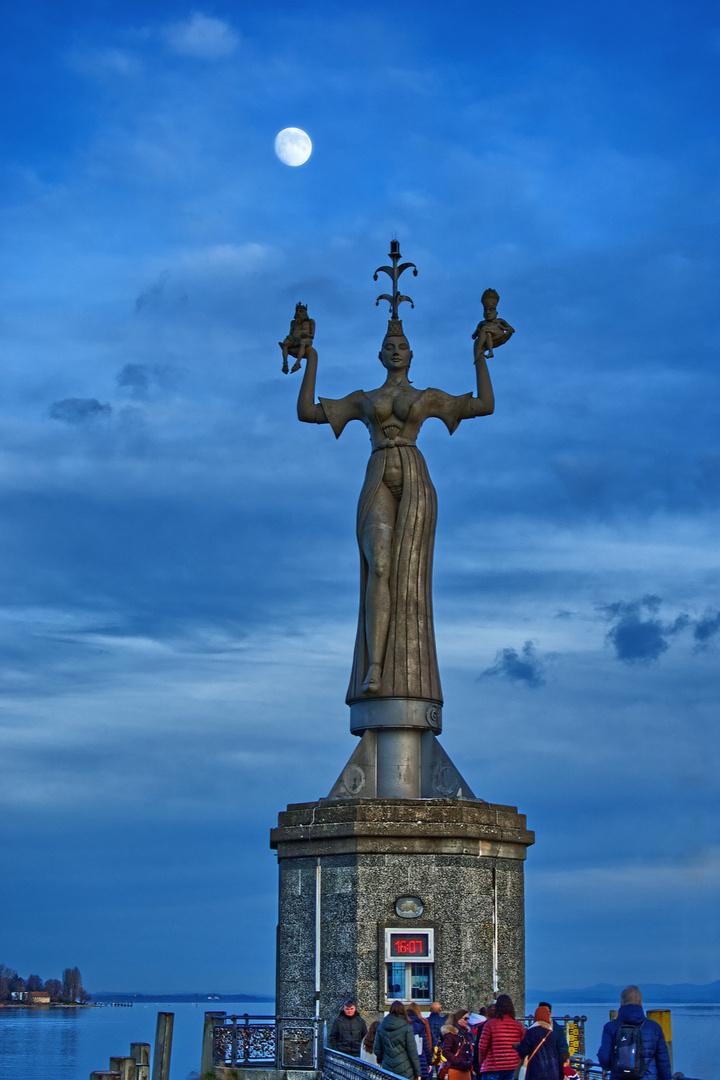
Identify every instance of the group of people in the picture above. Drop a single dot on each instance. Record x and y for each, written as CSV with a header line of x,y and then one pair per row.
x,y
493,1045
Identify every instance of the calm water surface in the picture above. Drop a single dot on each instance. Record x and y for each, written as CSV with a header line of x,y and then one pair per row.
x,y
68,1044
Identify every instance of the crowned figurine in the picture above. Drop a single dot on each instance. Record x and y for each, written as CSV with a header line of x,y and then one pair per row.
x,y
300,338
491,331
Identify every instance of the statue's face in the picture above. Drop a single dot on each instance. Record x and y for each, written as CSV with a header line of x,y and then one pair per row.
x,y
395,353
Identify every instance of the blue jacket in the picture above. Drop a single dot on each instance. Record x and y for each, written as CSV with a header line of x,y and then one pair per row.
x,y
425,1054
655,1051
436,1022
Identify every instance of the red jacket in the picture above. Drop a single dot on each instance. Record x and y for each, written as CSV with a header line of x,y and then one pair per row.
x,y
495,1050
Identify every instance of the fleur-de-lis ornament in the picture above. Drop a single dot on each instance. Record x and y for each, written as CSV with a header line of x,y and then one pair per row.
x,y
395,298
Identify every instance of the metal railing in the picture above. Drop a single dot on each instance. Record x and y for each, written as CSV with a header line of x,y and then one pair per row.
x,y
339,1066
291,1042
265,1042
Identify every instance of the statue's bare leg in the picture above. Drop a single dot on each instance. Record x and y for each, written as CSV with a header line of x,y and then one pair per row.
x,y
300,355
377,542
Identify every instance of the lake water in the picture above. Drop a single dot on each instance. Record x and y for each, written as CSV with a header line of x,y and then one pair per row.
x,y
68,1044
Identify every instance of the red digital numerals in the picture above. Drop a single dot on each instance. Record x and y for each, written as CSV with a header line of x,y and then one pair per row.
x,y
408,946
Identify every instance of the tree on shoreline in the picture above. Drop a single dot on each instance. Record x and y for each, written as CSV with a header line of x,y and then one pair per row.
x,y
69,991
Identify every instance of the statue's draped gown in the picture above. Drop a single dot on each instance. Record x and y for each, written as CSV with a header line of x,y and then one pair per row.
x,y
410,668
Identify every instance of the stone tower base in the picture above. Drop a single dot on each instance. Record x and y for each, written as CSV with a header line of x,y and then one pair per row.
x,y
345,863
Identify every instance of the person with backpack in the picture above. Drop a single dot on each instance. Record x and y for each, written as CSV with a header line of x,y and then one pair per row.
x,y
632,1046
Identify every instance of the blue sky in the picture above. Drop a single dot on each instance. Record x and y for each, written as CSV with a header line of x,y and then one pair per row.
x,y
179,569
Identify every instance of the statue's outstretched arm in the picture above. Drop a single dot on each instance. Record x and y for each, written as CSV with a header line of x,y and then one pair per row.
x,y
308,410
484,403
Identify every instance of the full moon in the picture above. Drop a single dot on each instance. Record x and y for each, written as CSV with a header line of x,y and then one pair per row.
x,y
293,146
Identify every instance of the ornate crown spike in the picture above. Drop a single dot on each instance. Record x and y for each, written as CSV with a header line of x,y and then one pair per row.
x,y
395,298
395,328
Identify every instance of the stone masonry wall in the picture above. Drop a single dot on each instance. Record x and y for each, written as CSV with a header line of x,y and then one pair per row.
x,y
359,890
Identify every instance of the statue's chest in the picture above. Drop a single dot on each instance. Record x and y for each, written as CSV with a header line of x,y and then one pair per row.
x,y
393,403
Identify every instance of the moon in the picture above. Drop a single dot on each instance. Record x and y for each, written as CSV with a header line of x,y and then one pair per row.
x,y
293,146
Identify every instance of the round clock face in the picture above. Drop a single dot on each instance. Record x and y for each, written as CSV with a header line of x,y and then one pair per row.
x,y
409,907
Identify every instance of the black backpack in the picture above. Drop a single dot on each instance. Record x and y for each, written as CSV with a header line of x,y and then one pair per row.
x,y
627,1059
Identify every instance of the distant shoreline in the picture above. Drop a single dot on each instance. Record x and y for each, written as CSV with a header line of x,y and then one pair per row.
x,y
46,1005
606,994
260,999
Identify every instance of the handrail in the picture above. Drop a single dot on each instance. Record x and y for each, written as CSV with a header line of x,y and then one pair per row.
x,y
339,1066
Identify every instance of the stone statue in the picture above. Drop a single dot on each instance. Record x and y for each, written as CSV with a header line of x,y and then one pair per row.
x,y
491,331
299,340
395,645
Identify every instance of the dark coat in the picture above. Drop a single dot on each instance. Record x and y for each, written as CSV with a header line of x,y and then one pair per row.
x,y
395,1047
436,1022
561,1042
655,1051
346,1034
457,1048
546,1063
425,1055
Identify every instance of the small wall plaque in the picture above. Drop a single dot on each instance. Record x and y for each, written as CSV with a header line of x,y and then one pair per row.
x,y
409,907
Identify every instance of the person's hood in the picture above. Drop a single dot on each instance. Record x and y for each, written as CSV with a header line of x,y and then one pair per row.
x,y
631,1014
392,1022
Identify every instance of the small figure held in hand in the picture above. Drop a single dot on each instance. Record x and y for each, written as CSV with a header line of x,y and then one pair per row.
x,y
492,331
300,338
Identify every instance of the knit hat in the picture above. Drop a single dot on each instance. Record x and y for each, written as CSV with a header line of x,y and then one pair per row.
x,y
542,1013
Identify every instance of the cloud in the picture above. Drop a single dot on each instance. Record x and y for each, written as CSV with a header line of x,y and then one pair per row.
x,y
202,36
153,296
638,639
136,377
109,63
216,259
706,627
525,667
139,379
77,410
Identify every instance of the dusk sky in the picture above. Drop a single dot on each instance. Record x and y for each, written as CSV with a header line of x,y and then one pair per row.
x,y
179,567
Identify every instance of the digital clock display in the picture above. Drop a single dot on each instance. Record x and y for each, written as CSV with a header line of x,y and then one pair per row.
x,y
409,945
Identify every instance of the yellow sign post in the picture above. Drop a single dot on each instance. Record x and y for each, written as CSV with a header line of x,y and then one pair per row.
x,y
664,1019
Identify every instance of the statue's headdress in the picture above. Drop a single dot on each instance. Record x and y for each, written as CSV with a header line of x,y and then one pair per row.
x,y
489,298
395,298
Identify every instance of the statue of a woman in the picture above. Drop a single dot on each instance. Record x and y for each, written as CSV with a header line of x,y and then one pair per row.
x,y
395,646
